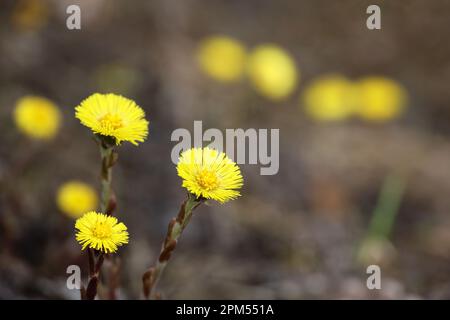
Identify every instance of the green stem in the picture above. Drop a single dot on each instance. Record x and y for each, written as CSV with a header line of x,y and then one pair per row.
x,y
174,232
388,204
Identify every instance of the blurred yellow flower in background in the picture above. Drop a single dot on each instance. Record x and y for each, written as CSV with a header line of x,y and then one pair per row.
x,y
209,174
30,14
329,98
272,71
380,98
101,232
75,198
222,58
114,116
37,117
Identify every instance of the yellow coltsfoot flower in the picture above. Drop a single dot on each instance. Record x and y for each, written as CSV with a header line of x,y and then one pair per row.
x,y
380,99
75,198
37,117
206,174
330,98
222,58
272,71
100,232
113,116
209,174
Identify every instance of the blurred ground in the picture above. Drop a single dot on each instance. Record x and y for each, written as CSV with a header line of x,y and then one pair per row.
x,y
290,236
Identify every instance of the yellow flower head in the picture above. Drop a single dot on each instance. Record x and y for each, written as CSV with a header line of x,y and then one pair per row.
x,y
329,98
272,71
100,232
37,117
209,174
222,58
380,99
114,116
75,198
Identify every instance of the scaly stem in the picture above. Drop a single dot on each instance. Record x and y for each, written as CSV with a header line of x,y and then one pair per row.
x,y
176,227
107,206
109,157
94,273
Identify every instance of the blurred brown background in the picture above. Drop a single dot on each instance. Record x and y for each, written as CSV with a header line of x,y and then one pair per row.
x,y
294,235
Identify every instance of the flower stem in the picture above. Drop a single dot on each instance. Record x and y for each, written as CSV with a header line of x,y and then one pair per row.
x,y
387,207
176,227
94,272
109,158
107,206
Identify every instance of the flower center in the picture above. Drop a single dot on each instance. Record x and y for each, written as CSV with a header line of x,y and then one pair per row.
x,y
207,180
102,230
110,122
